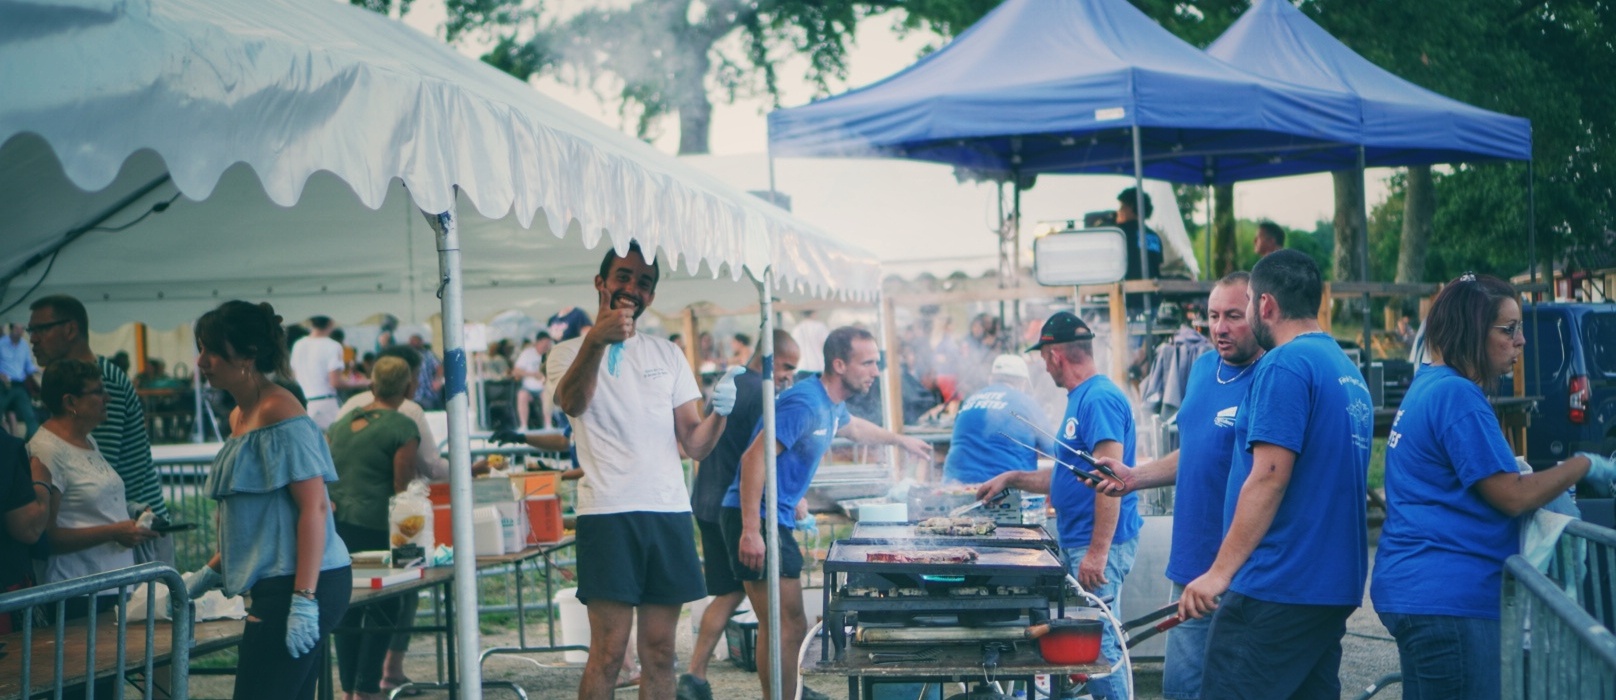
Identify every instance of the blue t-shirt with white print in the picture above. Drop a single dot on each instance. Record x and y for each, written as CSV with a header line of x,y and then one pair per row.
x,y
1206,446
1096,411
1443,547
805,422
1306,397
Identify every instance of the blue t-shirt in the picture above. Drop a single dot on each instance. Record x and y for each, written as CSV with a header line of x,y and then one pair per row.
x,y
805,422
1096,411
1308,398
977,452
1206,433
1442,549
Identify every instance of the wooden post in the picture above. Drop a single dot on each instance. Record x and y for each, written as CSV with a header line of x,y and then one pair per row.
x,y
1518,431
1425,306
1325,308
1119,336
893,378
688,321
137,364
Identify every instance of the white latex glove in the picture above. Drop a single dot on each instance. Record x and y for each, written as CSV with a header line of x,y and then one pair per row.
x,y
1601,470
201,581
724,391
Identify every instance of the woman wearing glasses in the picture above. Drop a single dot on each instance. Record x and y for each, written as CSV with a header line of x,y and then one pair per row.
x,y
1455,497
277,539
88,529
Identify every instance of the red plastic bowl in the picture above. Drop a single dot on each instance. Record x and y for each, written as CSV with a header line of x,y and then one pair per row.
x,y
1071,641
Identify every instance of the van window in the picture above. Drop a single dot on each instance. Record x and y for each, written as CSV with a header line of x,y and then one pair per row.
x,y
1601,332
1547,345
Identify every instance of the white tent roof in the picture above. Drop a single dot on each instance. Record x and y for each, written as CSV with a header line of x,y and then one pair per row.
x,y
250,107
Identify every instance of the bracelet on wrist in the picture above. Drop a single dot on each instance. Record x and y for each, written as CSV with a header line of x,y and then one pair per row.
x,y
305,592
48,485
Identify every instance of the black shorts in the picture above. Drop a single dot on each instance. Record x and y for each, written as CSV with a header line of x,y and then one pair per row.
x,y
715,558
638,557
790,553
1257,649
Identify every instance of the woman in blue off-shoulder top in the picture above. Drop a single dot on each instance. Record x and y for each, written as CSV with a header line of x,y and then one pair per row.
x,y
277,538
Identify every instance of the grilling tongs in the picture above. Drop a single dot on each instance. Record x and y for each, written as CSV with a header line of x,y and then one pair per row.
x,y
1079,473
973,505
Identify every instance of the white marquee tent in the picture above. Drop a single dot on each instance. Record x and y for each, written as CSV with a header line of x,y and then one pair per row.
x,y
304,140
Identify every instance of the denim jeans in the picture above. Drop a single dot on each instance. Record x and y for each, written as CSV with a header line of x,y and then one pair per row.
x,y
1258,649
1186,655
267,670
1446,657
1118,562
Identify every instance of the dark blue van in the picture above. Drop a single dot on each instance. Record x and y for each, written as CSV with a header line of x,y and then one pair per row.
x,y
1570,359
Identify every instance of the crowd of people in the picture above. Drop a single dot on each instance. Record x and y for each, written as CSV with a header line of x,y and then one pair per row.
x,y
1270,542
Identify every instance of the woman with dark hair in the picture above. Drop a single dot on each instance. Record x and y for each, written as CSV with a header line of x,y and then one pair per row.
x,y
88,527
374,450
277,537
1455,497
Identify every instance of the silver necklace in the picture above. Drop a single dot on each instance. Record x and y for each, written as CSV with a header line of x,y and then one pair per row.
x,y
1218,373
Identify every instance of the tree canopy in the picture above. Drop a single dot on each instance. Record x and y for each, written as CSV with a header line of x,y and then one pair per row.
x,y
1544,60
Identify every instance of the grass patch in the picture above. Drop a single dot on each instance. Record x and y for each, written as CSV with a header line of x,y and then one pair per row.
x,y
1377,464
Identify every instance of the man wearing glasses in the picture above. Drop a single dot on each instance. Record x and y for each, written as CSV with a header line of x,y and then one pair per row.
x,y
16,366
59,328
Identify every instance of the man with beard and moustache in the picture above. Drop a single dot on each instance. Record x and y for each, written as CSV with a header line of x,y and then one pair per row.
x,y
1100,536
1217,384
634,405
713,477
806,418
1295,549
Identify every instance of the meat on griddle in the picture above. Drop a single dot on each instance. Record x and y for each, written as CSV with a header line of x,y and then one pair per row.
x,y
951,555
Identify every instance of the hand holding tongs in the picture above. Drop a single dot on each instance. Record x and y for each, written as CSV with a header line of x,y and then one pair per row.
x,y
1085,456
973,505
1079,473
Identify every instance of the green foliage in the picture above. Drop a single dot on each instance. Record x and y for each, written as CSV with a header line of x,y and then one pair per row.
x,y
1318,244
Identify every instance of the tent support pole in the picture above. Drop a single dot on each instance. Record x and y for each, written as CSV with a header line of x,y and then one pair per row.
x,y
1139,226
999,200
1212,272
1012,269
1365,354
771,487
467,641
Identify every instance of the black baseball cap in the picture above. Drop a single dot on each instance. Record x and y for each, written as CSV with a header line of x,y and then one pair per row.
x,y
1063,327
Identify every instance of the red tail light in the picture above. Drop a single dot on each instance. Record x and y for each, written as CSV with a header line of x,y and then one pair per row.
x,y
1581,394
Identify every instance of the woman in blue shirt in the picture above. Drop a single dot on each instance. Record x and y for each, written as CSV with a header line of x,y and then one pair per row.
x,y
1455,496
277,538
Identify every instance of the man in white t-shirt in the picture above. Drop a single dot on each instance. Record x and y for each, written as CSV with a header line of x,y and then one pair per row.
x,y
317,366
810,335
634,405
529,367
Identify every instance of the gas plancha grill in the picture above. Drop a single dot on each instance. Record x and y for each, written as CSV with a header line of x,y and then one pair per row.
x,y
897,590
1023,536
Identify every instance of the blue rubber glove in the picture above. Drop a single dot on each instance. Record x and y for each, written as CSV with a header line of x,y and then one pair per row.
x,y
724,391
1601,470
302,626
201,581
807,530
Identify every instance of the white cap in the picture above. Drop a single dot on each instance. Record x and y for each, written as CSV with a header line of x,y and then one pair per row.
x,y
1010,366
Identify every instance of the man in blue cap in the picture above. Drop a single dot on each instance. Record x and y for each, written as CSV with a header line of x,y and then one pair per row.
x,y
1100,536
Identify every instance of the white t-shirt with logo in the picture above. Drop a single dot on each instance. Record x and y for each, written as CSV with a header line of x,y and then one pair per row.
x,y
531,361
313,361
625,440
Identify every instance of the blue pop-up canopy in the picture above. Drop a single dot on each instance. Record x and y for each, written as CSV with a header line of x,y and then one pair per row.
x,y
1403,123
1041,86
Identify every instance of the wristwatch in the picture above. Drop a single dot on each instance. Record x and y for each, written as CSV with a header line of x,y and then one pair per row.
x,y
305,592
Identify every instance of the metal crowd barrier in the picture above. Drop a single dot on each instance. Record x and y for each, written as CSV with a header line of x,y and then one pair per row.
x,y
1585,562
29,601
1556,625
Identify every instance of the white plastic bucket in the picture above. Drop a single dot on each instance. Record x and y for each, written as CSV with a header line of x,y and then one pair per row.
x,y
574,625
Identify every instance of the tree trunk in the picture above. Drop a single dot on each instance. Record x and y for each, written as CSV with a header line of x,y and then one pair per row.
x,y
1419,208
695,108
1349,224
1223,241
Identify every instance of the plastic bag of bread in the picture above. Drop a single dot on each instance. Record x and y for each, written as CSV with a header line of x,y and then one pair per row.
x,y
409,517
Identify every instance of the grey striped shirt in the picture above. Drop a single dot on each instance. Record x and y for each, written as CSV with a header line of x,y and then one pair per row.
x,y
123,440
